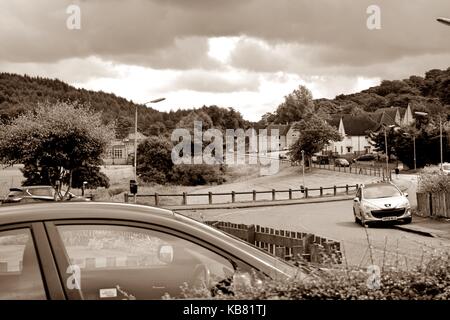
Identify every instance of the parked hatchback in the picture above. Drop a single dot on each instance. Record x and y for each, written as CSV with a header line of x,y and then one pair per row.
x,y
381,202
29,194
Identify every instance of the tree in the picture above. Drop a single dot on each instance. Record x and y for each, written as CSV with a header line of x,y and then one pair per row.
x,y
296,106
56,142
401,144
315,133
154,161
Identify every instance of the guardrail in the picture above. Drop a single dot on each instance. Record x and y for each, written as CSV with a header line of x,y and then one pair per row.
x,y
292,194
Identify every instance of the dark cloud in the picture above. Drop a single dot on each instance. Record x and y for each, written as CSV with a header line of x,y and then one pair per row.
x,y
141,30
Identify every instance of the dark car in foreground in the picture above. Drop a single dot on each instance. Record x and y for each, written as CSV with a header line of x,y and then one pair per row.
x,y
381,202
27,194
94,250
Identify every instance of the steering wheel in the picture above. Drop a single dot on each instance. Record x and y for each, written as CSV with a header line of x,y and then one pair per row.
x,y
201,277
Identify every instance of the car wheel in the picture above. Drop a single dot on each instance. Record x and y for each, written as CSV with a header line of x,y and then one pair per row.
x,y
357,220
407,220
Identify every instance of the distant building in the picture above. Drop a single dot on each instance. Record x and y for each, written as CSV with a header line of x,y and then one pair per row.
x,y
121,151
354,131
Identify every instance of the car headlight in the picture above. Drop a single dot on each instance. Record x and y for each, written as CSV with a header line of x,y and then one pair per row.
x,y
369,207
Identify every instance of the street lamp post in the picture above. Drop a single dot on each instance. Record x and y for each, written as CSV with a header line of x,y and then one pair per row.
x,y
135,134
386,150
303,167
445,21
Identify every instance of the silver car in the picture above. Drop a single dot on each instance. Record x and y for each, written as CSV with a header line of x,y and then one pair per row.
x,y
380,202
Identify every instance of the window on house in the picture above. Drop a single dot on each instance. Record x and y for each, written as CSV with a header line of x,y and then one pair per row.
x,y
118,153
349,149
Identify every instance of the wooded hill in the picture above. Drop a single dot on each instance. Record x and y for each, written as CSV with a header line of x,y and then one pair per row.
x,y
19,93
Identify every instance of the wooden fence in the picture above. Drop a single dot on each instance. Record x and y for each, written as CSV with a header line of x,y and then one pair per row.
x,y
292,194
288,245
433,204
378,171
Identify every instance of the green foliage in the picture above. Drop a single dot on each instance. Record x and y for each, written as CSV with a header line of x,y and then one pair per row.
x,y
401,144
432,179
154,161
430,281
198,174
315,133
54,141
19,94
155,165
296,106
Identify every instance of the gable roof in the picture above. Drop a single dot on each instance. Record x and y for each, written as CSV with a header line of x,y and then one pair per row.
x,y
354,125
391,112
382,118
282,129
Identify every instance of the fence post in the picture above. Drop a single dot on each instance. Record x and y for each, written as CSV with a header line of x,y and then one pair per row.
x,y
254,195
273,194
346,189
334,190
306,192
210,197
125,197
156,199
251,234
184,198
290,194
233,196
321,191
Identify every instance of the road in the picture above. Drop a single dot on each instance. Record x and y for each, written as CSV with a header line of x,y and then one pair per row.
x,y
334,220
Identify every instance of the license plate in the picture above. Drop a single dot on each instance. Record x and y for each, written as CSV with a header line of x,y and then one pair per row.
x,y
389,218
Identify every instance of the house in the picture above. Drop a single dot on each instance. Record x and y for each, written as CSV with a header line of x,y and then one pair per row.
x,y
121,151
354,131
393,116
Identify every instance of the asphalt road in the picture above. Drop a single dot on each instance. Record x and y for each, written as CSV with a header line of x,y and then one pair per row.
x,y
334,220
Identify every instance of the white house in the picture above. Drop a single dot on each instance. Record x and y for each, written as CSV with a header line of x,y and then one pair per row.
x,y
354,131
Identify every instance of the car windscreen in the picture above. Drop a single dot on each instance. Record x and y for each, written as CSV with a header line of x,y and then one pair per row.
x,y
381,191
48,192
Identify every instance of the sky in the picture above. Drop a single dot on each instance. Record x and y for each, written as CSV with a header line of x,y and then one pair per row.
x,y
245,54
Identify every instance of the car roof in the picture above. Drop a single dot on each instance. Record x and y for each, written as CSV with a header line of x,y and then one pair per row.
x,y
84,210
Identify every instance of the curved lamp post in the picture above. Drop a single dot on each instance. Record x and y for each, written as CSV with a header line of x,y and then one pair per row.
x,y
445,21
135,133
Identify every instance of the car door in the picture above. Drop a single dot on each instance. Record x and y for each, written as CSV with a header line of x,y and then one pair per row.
x,y
27,270
124,260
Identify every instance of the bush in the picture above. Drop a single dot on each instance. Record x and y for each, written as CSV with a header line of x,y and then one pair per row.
x,y
197,174
432,179
154,160
428,282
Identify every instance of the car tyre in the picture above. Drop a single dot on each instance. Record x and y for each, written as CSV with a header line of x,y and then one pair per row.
x,y
407,220
357,220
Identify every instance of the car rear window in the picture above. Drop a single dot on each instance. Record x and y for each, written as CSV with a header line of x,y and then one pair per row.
x,y
381,191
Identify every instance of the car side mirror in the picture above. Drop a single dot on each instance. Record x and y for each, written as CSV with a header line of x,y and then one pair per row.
x,y
356,199
165,253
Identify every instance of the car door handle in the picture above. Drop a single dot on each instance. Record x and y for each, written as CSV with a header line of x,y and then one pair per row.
x,y
158,287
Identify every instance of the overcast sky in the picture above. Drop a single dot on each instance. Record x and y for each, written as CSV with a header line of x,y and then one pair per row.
x,y
246,54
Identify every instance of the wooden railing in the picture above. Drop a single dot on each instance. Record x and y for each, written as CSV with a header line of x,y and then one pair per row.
x,y
289,194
